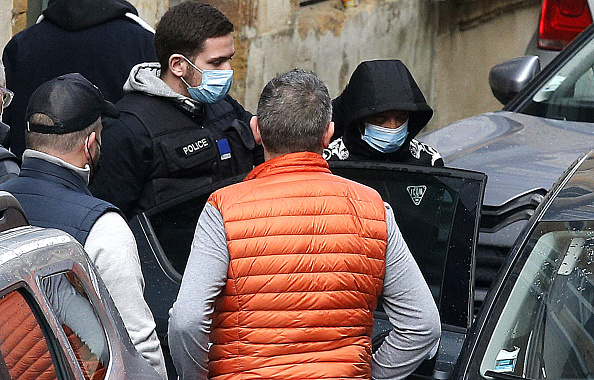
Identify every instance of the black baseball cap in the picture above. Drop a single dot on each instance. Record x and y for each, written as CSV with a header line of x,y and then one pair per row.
x,y
71,101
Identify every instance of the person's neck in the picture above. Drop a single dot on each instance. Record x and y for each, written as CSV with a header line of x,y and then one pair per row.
x,y
175,83
270,155
59,159
73,158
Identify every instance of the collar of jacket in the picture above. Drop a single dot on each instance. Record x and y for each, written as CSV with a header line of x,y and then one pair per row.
x,y
288,163
145,78
45,170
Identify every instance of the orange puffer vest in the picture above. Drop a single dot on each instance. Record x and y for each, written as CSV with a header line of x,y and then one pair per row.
x,y
307,252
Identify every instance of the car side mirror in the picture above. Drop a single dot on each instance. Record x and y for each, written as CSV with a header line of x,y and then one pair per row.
x,y
11,212
510,77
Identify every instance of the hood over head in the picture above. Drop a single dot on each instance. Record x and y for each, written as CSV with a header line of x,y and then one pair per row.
x,y
80,14
378,86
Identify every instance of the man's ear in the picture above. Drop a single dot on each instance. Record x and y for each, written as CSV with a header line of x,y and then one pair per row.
x,y
328,135
177,65
256,129
88,144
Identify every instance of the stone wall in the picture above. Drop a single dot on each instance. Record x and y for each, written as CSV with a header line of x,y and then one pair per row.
x,y
449,45
13,17
472,37
150,10
331,40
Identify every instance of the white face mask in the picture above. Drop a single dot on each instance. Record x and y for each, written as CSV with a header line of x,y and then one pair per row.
x,y
385,140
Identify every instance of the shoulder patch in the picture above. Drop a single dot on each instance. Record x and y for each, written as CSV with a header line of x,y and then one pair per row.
x,y
415,149
337,150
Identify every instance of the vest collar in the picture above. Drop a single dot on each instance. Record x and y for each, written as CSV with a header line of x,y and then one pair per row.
x,y
288,163
84,173
40,168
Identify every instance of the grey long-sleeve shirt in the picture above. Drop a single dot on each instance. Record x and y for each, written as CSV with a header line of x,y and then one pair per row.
x,y
406,299
112,248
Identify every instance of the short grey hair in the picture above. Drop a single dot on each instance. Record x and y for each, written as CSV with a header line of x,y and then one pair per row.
x,y
63,143
294,111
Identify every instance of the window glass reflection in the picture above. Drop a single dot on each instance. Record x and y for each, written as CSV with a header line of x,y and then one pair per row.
x,y
80,323
569,94
546,329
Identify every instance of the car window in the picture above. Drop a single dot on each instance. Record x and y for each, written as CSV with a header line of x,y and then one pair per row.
x,y
546,328
437,213
569,93
80,323
25,350
424,210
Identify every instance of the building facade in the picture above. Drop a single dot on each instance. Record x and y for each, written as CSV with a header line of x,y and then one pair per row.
x,y
449,45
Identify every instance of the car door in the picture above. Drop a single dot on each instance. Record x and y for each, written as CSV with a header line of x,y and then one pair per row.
x,y
538,320
57,320
437,210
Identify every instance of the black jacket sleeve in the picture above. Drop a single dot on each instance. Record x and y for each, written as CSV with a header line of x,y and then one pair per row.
x,y
126,159
9,165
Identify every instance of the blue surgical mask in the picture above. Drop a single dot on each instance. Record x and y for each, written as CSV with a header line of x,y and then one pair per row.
x,y
385,140
214,87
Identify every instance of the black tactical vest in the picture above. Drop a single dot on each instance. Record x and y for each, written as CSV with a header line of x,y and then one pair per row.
x,y
190,150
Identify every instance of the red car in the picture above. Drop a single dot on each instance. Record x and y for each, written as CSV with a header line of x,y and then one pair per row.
x,y
560,22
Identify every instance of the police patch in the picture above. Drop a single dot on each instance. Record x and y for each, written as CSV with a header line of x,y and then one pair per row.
x,y
192,148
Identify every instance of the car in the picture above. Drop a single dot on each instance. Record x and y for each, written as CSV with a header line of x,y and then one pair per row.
x,y
547,122
538,320
560,22
57,320
438,211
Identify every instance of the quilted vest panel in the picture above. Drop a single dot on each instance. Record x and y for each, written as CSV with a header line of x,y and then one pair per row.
x,y
307,252
55,197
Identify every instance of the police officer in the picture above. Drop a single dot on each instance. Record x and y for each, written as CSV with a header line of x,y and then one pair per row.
x,y
179,129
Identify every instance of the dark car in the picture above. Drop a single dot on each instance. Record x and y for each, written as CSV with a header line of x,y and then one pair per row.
x,y
57,320
437,210
524,148
538,320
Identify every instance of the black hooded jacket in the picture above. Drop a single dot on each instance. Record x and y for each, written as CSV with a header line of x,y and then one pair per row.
x,y
374,87
96,38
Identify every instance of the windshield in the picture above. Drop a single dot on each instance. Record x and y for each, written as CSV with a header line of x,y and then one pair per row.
x,y
569,93
546,328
